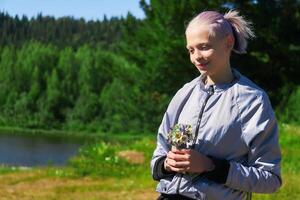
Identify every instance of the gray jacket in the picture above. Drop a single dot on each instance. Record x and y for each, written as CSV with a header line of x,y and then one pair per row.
x,y
235,122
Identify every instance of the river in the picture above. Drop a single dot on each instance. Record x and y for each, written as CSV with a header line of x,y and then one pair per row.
x,y
36,151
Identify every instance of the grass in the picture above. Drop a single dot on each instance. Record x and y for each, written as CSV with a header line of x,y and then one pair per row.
x,y
98,172
290,143
37,184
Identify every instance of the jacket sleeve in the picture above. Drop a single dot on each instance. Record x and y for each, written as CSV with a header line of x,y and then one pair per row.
x,y
161,150
260,131
169,119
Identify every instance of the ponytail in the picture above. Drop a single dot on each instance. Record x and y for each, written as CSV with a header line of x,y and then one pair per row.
x,y
241,29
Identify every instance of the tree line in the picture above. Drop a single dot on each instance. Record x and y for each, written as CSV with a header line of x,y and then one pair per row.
x,y
61,32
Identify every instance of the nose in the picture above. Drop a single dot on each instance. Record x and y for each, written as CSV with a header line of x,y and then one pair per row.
x,y
198,55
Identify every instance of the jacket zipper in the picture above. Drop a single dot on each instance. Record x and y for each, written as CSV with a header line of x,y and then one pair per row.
x,y
210,93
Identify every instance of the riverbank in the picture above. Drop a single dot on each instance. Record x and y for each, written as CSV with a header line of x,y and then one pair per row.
x,y
103,170
6,130
74,135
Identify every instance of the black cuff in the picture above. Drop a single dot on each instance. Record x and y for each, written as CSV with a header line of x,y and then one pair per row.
x,y
159,170
220,172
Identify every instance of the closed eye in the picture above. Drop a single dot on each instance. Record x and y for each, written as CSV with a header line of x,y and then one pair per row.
x,y
200,47
204,47
190,50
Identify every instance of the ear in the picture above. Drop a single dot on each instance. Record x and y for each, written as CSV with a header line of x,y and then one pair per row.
x,y
229,42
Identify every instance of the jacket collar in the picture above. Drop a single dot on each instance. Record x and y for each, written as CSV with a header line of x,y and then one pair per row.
x,y
219,87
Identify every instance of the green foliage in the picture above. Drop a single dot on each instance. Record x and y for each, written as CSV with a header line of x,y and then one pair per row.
x,y
44,87
291,113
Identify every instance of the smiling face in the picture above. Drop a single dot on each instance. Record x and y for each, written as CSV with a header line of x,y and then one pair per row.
x,y
210,54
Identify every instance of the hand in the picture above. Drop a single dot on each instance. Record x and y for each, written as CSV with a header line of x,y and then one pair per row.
x,y
187,160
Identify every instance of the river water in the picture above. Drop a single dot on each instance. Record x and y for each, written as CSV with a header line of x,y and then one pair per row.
x,y
36,151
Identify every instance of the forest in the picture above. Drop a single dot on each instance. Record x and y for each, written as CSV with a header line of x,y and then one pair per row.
x,y
119,74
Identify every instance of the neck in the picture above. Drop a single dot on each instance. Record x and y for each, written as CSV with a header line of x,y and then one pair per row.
x,y
222,77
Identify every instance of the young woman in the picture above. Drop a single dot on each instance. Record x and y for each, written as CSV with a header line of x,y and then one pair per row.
x,y
235,150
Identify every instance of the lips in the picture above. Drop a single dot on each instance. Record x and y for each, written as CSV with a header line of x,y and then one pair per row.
x,y
201,65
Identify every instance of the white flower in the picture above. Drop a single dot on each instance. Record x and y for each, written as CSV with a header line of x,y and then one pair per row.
x,y
180,135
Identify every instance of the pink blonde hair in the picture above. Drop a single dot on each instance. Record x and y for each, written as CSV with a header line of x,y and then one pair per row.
x,y
222,25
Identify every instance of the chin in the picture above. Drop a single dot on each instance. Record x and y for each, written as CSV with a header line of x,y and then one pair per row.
x,y
203,71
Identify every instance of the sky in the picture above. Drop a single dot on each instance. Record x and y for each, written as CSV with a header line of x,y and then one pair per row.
x,y
88,9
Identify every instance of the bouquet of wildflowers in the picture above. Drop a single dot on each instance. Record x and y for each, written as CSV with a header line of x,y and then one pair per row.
x,y
181,136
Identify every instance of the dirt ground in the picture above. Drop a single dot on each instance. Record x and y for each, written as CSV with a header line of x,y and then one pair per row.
x,y
37,185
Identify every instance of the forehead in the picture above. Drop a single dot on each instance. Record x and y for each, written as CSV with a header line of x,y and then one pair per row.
x,y
196,35
202,34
